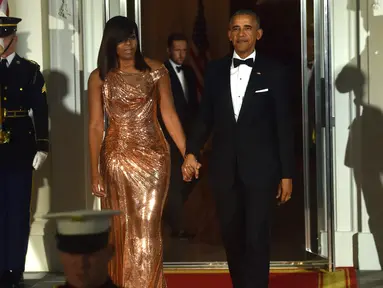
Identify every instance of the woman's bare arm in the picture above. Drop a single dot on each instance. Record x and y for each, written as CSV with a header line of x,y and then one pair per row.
x,y
96,120
168,111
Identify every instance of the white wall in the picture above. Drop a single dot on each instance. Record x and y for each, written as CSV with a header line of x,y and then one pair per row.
x,y
55,41
66,39
358,66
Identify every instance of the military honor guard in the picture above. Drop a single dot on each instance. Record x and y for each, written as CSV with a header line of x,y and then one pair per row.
x,y
82,240
24,147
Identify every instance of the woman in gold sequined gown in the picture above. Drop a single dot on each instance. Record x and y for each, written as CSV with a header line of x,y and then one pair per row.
x,y
130,167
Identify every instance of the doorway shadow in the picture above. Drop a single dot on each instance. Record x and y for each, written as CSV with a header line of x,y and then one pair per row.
x,y
41,178
67,171
22,46
364,154
364,151
67,136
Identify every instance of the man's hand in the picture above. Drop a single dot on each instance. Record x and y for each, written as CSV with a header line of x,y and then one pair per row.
x,y
190,167
39,159
284,190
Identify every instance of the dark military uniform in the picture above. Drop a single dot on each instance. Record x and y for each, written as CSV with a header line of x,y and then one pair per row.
x,y
22,89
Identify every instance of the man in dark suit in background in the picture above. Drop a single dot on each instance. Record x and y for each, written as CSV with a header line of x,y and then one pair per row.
x,y
246,107
183,82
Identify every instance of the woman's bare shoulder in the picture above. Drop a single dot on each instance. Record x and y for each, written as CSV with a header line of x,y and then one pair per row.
x,y
154,64
94,78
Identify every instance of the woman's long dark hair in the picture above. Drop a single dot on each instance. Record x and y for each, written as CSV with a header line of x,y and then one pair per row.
x,y
117,30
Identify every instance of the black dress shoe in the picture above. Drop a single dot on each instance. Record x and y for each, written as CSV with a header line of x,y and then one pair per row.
x,y
16,285
5,279
19,285
16,279
182,235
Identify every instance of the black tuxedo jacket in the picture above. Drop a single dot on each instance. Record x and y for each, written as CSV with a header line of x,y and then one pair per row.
x,y
258,147
186,109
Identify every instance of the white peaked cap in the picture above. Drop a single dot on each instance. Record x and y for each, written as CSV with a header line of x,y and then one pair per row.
x,y
82,222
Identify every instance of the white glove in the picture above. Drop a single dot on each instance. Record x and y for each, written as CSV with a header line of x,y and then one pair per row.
x,y
39,159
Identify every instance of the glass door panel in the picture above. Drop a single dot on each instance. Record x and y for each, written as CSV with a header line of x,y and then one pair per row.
x,y
115,8
317,128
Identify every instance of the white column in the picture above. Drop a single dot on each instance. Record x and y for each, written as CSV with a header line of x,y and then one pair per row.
x,y
93,25
52,35
345,206
33,42
66,91
357,68
371,144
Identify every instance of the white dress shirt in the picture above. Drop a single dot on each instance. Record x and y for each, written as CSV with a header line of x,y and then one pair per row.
x,y
181,77
239,77
9,58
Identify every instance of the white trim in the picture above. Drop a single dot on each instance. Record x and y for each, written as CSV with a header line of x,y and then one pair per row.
x,y
137,18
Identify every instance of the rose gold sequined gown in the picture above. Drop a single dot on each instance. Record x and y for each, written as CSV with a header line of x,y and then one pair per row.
x,y
135,164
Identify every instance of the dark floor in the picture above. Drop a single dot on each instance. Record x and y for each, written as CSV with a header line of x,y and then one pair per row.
x,y
287,241
43,280
288,238
373,279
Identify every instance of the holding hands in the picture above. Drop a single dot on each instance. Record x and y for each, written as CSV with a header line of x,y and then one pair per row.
x,y
190,168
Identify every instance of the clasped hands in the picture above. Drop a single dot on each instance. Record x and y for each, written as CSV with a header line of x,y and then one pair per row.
x,y
190,168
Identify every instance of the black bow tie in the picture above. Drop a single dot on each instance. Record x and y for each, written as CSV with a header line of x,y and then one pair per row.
x,y
179,68
249,62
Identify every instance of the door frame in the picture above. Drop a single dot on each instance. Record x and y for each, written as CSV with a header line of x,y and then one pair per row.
x,y
322,63
324,120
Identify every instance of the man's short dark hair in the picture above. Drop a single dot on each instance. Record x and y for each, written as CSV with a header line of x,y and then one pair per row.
x,y
249,13
176,37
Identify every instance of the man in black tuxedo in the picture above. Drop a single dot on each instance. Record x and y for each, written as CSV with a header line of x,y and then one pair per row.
x,y
183,83
246,107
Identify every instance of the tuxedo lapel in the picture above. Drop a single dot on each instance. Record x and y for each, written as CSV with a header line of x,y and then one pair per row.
x,y
227,87
15,62
16,68
252,85
176,83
